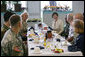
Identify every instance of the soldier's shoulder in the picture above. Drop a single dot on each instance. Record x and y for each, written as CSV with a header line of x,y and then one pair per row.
x,y
4,28
1,29
8,32
7,36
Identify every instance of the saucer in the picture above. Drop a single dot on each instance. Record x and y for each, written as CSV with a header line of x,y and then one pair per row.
x,y
37,52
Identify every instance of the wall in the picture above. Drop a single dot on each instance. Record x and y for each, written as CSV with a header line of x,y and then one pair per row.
x,y
78,7
34,9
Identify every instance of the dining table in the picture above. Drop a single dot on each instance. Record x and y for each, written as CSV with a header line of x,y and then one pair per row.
x,y
48,46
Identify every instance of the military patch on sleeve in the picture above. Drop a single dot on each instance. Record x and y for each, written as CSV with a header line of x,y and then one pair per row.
x,y
16,48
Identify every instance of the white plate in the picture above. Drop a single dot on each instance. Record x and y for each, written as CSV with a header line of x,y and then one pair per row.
x,y
37,52
67,44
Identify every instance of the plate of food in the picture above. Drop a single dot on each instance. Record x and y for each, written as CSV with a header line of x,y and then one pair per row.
x,y
56,50
30,35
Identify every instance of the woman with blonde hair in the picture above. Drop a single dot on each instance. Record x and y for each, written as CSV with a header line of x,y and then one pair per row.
x,y
78,26
79,43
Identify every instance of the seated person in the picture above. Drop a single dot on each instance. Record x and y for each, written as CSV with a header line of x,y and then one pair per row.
x,y
79,42
23,31
11,44
65,32
6,24
79,16
71,32
48,36
57,24
40,26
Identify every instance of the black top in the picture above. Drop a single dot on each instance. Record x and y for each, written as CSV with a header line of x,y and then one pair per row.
x,y
80,42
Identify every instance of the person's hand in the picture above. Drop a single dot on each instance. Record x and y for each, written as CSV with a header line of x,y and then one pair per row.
x,y
25,42
70,39
24,34
16,48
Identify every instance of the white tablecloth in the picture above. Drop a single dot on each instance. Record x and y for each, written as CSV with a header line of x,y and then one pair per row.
x,y
48,52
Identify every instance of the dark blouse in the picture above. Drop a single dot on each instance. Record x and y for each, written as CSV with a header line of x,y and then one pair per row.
x,y
80,42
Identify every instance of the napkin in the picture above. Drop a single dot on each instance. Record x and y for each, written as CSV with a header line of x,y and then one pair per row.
x,y
50,28
41,47
31,39
31,28
58,40
32,48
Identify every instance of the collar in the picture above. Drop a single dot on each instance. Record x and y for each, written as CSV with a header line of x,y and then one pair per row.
x,y
5,26
16,35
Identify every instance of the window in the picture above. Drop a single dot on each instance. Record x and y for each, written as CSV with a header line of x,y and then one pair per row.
x,y
10,4
24,4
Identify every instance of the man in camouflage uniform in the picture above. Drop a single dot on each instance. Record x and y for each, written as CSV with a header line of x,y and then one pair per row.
x,y
23,31
3,30
11,44
6,24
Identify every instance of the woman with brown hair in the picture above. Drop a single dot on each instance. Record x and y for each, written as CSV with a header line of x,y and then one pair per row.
x,y
57,24
79,43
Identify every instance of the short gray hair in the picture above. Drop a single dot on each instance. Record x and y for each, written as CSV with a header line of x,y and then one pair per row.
x,y
24,13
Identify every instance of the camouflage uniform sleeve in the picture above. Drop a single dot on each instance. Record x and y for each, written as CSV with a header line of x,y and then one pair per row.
x,y
6,49
2,33
23,46
11,49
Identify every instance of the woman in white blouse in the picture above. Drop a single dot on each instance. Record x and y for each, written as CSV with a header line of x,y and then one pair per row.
x,y
57,24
